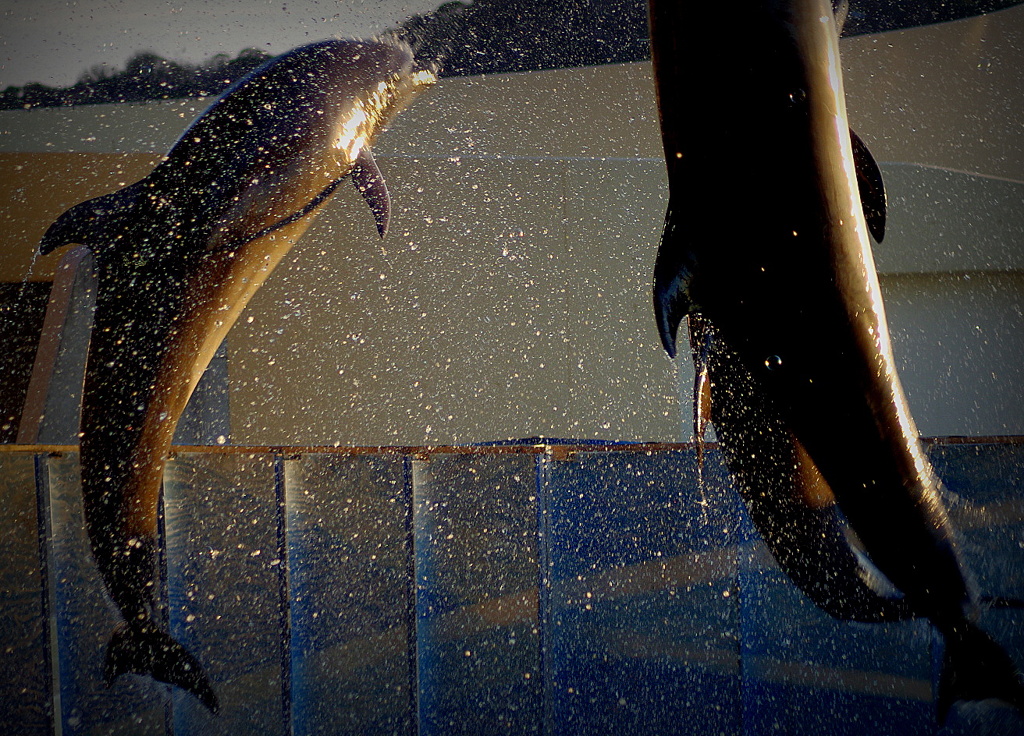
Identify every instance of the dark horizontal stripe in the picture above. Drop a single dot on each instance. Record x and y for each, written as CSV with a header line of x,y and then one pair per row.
x,y
485,37
502,36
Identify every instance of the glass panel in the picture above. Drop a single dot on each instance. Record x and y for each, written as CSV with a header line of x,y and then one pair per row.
x,y
478,637
642,621
349,562
806,672
85,618
644,618
225,579
986,505
26,705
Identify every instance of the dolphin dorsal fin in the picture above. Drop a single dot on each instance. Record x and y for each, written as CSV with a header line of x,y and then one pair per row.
x,y
370,183
871,187
94,223
673,273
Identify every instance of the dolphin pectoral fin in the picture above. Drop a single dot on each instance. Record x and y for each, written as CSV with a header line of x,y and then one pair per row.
x,y
871,187
370,183
145,650
93,223
975,667
673,272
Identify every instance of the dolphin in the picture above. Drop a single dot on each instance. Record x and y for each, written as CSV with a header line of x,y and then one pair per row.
x,y
767,240
178,255
788,501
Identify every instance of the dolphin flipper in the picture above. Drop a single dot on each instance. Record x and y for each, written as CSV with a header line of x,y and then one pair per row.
x,y
370,182
870,186
145,650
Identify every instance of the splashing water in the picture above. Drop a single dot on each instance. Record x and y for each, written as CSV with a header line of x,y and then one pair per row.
x,y
701,401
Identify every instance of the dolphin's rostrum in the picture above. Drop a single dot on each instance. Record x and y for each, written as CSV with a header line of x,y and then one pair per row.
x,y
766,249
178,255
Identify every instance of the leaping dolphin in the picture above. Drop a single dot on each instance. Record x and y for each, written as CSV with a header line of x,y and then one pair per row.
x,y
178,255
766,240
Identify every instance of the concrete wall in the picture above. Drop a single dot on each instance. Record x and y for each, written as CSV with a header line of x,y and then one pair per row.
x,y
511,297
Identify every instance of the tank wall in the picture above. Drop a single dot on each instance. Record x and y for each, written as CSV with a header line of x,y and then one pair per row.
x,y
511,297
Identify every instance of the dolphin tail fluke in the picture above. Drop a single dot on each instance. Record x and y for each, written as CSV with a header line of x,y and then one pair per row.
x,y
975,667
145,650
94,222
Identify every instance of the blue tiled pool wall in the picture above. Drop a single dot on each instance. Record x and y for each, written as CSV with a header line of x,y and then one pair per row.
x,y
556,592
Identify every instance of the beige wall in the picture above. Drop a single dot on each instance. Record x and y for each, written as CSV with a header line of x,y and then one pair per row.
x,y
512,296
944,95
959,343
36,187
510,300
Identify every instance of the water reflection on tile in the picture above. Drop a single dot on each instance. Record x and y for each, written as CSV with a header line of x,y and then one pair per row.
x,y
349,561
25,697
478,637
85,618
225,568
645,627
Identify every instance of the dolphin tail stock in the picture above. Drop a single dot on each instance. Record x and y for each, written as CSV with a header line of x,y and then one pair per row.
x,y
976,667
146,650
786,498
95,222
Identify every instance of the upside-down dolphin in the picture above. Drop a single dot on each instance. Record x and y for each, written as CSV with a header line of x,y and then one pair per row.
x,y
178,255
766,247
